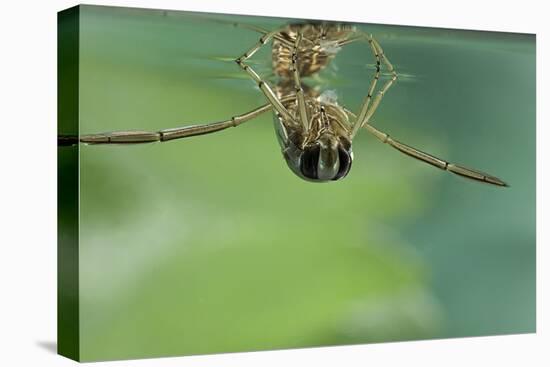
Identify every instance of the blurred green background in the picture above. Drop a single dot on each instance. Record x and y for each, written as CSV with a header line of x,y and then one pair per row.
x,y
211,244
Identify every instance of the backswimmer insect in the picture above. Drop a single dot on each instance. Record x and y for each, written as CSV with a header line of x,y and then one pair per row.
x,y
314,131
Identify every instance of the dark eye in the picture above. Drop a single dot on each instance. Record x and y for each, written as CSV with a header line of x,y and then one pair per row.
x,y
310,161
345,163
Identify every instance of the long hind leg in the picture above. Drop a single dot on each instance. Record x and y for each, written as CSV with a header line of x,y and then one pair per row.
x,y
434,161
138,137
430,159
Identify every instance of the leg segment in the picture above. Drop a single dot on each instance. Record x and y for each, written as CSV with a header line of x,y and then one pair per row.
x,y
430,159
264,87
298,85
263,31
388,84
434,161
366,102
137,137
367,110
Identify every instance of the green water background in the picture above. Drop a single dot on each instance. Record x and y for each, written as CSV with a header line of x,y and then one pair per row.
x,y
211,244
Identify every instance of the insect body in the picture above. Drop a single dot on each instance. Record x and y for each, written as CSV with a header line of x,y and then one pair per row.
x,y
314,131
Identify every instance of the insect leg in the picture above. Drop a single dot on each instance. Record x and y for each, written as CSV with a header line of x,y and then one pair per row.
x,y
367,111
388,84
364,107
138,137
434,161
298,84
430,159
263,31
264,87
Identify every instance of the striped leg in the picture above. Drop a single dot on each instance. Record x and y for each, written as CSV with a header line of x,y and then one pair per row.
x,y
388,84
298,85
366,102
206,18
368,110
263,31
264,87
430,159
138,137
434,161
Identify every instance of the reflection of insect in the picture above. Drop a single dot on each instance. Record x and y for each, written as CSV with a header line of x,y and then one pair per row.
x,y
314,131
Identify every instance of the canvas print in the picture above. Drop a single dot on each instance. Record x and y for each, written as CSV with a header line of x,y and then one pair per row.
x,y
232,183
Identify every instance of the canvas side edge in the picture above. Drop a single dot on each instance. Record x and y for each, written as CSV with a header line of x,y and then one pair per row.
x,y
68,330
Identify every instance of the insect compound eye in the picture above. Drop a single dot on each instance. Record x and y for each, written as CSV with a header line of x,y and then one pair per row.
x,y
345,163
309,162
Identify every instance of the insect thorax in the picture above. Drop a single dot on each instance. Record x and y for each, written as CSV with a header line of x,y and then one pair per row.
x,y
318,47
325,116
